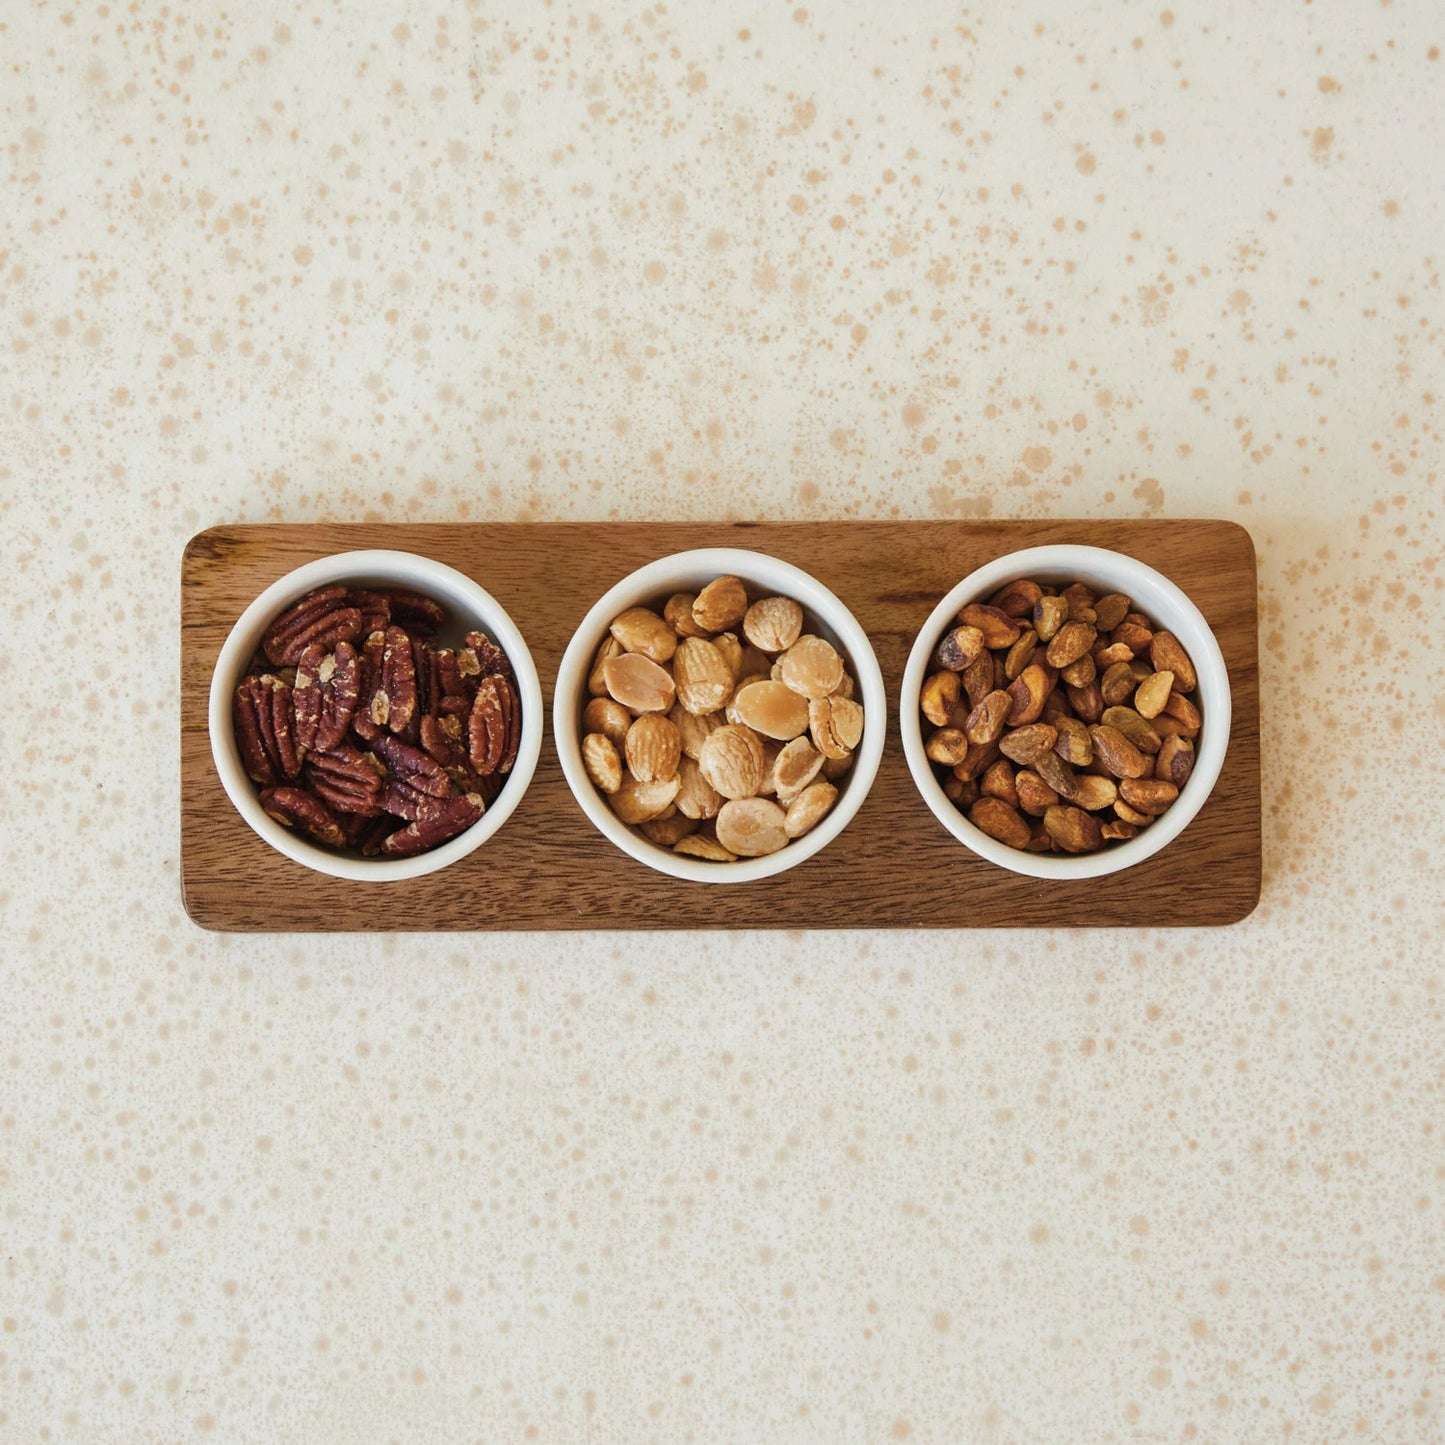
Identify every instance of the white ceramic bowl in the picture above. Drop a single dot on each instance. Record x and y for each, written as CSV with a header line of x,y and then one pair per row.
x,y
470,607
1160,600
765,576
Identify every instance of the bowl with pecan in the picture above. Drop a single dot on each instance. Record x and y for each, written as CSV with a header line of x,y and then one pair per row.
x,y
375,715
719,715
1065,711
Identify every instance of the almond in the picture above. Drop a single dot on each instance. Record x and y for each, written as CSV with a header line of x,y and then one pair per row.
x,y
836,725
637,683
609,718
997,627
772,709
1168,655
773,624
939,697
678,615
699,845
812,666
985,723
1153,693
604,767
732,651
809,808
693,728
795,767
669,830
732,761
596,679
999,821
696,797
636,802
653,749
1117,753
640,629
720,605
1073,830
752,827
701,674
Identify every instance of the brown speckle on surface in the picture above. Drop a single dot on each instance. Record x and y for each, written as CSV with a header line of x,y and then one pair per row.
x,y
545,260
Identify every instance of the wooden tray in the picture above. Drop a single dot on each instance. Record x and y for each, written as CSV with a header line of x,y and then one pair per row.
x,y
893,867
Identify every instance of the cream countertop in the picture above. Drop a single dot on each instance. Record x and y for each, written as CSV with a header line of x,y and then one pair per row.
x,y
436,261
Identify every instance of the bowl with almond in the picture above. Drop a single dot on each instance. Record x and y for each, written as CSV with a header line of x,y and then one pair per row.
x,y
375,715
1065,711
719,715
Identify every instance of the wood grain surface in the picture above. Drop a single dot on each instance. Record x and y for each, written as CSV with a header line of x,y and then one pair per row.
x,y
548,868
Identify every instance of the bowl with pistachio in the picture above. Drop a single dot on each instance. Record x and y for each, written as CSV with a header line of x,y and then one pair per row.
x,y
719,715
1065,711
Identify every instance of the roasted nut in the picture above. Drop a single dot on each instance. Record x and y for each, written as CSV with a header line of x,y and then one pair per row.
x,y
1148,795
1078,594
635,802
694,728
722,604
1092,792
999,821
985,723
1073,830
639,684
346,780
1117,753
699,845
1168,655
669,829
812,667
1021,653
653,749
809,808
996,626
609,649
1153,693
696,797
1110,611
752,827
1118,831
481,657
1050,614
1034,795
731,760
678,615
1130,815
702,677
1057,774
1175,761
494,729
960,646
835,725
1016,599
975,761
774,710
978,679
1087,701
1079,673
1073,744
1183,711
964,794
1116,684
639,629
1106,657
1128,722
1026,745
1071,642
1026,695
796,765
998,782
773,624
249,705
1135,637
454,816
731,651
948,747
322,616
397,693
294,808
939,697
611,719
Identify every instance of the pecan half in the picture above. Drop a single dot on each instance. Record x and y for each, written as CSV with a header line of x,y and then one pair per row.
x,y
321,616
324,698
412,766
441,740
293,808
411,609
487,656
494,727
247,706
394,703
365,721
375,611
456,816
346,779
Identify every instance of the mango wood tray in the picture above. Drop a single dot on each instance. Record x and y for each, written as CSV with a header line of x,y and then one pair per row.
x,y
893,867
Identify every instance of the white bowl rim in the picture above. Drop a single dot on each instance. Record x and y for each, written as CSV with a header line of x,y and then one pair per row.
x,y
758,569
385,567
1178,615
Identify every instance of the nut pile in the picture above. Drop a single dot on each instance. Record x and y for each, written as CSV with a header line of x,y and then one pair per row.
x,y
1061,721
366,736
716,745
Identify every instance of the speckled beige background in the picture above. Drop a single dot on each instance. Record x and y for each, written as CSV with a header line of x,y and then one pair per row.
x,y
428,261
